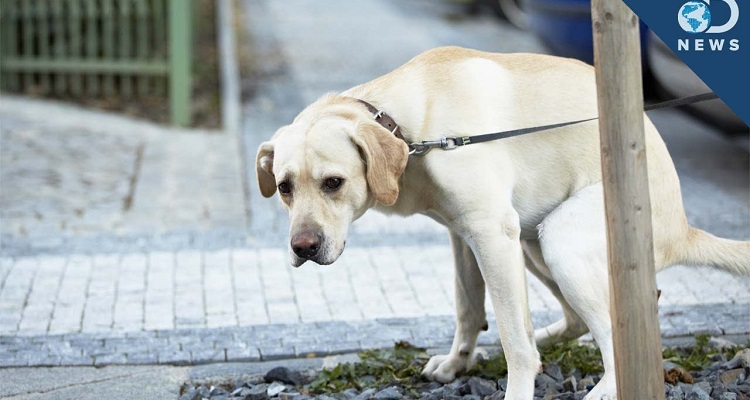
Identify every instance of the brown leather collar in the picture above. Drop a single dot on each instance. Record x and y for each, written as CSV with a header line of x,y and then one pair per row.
x,y
385,120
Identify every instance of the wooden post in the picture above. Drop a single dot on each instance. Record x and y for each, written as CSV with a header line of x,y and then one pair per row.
x,y
632,282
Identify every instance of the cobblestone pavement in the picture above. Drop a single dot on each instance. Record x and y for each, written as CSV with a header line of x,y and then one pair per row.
x,y
283,341
53,306
70,175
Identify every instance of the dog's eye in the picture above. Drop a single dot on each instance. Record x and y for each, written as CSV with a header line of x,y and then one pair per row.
x,y
332,184
284,188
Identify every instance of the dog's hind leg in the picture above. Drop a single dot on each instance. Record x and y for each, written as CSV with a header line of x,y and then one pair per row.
x,y
574,246
469,292
570,326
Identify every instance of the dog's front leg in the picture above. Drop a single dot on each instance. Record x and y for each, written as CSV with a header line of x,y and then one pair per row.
x,y
495,239
469,291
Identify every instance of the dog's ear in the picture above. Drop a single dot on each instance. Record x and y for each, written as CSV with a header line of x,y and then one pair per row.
x,y
264,169
385,157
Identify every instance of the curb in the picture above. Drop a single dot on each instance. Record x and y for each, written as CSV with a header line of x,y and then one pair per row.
x,y
285,341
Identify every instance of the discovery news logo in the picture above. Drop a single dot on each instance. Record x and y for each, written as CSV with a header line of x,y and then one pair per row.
x,y
694,17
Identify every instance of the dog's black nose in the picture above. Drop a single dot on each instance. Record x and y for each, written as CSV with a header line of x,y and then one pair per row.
x,y
306,244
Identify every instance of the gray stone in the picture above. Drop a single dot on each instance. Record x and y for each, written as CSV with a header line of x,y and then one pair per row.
x,y
705,386
238,388
502,384
389,393
449,391
721,343
257,392
586,383
545,383
275,388
697,394
685,387
481,387
193,394
675,393
350,393
438,391
570,384
430,387
459,381
718,364
579,395
717,389
499,395
217,391
741,359
288,395
553,370
366,394
458,387
728,396
285,375
565,396
732,376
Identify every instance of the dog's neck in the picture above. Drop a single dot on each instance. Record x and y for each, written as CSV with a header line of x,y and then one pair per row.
x,y
384,120
395,102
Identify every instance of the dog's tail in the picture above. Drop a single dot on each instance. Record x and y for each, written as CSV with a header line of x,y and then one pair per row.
x,y
703,248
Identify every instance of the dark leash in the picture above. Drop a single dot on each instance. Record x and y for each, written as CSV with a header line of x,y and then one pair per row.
x,y
452,142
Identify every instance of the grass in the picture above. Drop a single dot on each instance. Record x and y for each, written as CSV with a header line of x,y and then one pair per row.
x,y
403,365
700,355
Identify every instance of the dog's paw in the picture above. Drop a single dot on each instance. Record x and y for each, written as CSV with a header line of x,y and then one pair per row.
x,y
606,389
444,368
600,396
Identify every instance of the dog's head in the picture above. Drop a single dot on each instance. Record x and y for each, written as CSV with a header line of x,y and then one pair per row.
x,y
329,166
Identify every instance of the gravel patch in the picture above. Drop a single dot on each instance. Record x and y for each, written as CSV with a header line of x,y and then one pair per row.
x,y
724,379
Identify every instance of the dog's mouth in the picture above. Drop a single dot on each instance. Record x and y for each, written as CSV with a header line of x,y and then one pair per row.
x,y
297,261
320,259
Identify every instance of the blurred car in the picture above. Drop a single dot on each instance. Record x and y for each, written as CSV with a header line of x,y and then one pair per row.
x,y
511,10
565,27
675,79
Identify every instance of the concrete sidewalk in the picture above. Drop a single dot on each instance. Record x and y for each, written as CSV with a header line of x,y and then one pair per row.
x,y
91,181
192,306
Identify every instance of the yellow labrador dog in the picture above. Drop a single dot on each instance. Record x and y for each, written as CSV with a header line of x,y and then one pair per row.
x,y
534,200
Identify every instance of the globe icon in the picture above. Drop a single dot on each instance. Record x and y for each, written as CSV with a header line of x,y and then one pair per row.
x,y
694,17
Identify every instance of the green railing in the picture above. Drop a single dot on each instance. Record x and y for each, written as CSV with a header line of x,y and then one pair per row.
x,y
98,48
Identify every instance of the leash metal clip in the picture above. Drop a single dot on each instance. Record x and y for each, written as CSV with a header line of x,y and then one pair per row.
x,y
449,143
424,147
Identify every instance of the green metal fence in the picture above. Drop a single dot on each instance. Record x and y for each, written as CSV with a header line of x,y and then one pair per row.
x,y
98,48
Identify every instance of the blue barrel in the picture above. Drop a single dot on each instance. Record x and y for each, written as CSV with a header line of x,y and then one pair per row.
x,y
565,27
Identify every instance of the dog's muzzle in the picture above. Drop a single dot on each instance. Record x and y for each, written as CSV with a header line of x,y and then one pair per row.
x,y
306,244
